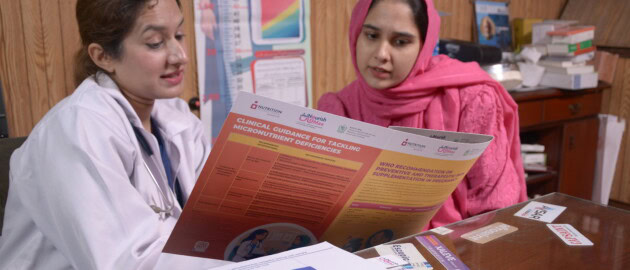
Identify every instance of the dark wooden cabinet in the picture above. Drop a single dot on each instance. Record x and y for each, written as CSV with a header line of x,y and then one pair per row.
x,y
566,123
579,150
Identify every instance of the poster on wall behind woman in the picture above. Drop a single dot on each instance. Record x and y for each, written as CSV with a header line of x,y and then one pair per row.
x,y
492,22
256,46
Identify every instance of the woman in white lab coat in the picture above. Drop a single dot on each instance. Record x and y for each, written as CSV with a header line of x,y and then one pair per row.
x,y
102,178
251,247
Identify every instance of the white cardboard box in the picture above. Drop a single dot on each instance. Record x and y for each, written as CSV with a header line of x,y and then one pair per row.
x,y
570,81
539,30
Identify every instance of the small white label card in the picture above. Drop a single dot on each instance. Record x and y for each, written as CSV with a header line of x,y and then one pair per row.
x,y
569,235
441,230
540,211
407,252
391,262
488,233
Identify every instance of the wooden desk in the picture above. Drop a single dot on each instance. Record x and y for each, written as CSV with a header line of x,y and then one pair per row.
x,y
566,123
534,246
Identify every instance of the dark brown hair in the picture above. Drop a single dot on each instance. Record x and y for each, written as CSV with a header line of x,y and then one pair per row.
x,y
419,11
107,23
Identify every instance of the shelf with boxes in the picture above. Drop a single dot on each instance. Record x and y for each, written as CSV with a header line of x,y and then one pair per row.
x,y
534,159
565,123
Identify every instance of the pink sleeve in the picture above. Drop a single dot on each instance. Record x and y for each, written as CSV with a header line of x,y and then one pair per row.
x,y
449,212
493,181
331,103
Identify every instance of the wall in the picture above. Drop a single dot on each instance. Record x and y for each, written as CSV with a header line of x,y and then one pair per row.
x,y
33,59
617,102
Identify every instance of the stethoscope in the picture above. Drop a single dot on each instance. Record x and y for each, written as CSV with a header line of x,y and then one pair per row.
x,y
169,200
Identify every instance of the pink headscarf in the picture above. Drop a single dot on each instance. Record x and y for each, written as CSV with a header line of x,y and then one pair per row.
x,y
428,98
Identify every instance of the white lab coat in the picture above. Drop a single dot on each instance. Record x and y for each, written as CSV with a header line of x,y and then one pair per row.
x,y
79,193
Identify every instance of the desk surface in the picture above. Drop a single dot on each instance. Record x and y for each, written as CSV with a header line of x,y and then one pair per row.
x,y
554,93
534,246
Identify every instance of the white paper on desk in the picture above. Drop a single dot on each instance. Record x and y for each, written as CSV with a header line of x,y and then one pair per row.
x,y
530,54
611,130
523,88
319,256
544,212
441,230
531,73
390,262
569,235
408,252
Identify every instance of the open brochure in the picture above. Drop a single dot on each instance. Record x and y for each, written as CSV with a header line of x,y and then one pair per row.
x,y
282,176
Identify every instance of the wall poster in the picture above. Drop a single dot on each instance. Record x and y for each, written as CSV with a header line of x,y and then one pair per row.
x,y
256,46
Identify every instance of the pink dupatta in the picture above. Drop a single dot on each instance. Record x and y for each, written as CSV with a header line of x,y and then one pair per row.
x,y
430,98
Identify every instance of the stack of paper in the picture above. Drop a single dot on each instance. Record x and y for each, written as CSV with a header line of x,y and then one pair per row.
x,y
569,48
540,30
570,81
534,157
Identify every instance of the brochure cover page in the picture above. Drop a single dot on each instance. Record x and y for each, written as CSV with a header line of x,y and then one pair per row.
x,y
282,176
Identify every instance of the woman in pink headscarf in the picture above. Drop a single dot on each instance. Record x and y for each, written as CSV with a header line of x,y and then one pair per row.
x,y
400,83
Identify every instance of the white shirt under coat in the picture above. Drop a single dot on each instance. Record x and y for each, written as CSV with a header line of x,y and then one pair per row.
x,y
79,193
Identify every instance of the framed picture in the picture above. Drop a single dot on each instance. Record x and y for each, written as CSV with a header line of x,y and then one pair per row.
x,y
492,23
277,21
